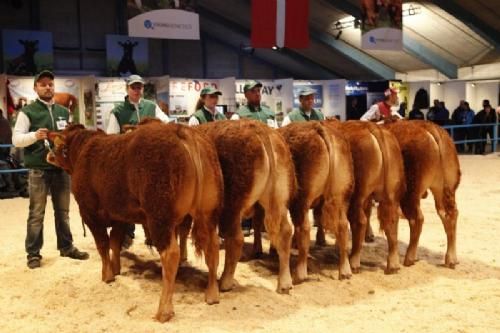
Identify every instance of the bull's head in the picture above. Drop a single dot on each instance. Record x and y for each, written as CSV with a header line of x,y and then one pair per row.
x,y
59,155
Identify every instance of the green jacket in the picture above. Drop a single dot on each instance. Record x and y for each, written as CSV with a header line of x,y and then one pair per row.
x,y
205,116
299,115
126,114
261,113
40,117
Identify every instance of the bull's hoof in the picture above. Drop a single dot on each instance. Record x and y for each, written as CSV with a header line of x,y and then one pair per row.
x,y
408,262
284,290
451,265
356,270
390,271
226,285
164,317
212,299
344,276
108,277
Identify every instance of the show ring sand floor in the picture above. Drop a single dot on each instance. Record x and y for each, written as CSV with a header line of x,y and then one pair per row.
x,y
68,296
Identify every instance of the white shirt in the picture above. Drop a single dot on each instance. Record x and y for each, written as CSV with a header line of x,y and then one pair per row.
x,y
373,113
21,136
270,122
114,126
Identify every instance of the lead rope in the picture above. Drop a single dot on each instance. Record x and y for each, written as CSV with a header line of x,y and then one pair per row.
x,y
84,230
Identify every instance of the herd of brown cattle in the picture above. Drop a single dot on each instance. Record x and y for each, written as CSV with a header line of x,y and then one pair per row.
x,y
173,179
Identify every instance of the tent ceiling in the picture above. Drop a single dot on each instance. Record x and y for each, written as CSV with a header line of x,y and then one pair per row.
x,y
433,28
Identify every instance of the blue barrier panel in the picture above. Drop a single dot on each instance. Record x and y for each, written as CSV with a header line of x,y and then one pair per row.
x,y
494,139
11,170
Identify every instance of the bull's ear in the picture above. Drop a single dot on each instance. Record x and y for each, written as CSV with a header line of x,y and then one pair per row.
x,y
57,138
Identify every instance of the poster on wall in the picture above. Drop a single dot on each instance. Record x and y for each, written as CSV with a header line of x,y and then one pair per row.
x,y
67,93
318,95
163,19
336,99
27,52
382,25
184,94
126,55
108,91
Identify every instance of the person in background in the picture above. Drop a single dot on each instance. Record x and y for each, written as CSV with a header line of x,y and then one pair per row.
x,y
442,116
131,111
33,124
206,107
458,118
402,109
486,116
254,109
416,114
7,183
469,132
306,111
382,110
431,115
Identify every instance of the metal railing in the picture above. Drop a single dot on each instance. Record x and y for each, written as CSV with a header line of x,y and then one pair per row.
x,y
11,170
494,139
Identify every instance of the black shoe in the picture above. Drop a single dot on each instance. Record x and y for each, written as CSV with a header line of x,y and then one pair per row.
x,y
74,253
34,262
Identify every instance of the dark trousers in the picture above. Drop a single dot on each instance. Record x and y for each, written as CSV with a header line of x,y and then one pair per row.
x,y
41,182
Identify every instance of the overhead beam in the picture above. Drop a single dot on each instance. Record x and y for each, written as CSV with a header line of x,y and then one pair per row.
x,y
371,64
429,57
410,45
471,20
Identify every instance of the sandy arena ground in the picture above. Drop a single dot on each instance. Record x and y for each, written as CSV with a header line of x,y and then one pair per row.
x,y
68,296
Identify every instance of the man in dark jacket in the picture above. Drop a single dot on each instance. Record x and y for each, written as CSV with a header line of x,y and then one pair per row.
x,y
486,116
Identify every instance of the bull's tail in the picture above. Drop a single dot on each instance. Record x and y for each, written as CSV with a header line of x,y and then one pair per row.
x,y
272,181
327,139
191,145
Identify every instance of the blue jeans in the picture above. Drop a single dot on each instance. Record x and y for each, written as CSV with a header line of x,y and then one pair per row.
x,y
41,182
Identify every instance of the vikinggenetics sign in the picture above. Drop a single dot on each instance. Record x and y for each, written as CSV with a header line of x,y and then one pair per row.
x,y
166,24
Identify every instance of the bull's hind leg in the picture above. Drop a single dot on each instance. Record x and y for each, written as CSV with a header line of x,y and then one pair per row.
x,y
283,242
334,215
101,239
116,239
358,221
169,256
211,251
302,236
389,217
183,230
233,244
447,210
320,232
257,224
411,209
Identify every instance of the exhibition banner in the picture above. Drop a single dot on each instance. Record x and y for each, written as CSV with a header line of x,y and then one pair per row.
x,y
27,52
381,25
165,24
126,55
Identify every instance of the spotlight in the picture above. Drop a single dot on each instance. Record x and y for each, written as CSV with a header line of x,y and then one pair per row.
x,y
276,48
439,83
473,85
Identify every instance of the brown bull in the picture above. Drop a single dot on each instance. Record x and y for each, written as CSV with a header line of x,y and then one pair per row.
x,y
324,170
259,181
431,163
379,176
156,175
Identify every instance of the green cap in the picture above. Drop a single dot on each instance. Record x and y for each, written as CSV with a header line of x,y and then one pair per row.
x,y
134,78
44,73
306,91
249,85
210,91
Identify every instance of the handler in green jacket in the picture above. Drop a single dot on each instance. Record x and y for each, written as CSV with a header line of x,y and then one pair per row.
x,y
306,111
205,108
33,124
253,109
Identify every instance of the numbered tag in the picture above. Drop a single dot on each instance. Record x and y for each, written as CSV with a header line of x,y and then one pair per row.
x,y
61,124
270,123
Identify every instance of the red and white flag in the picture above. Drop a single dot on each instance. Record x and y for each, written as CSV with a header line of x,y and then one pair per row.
x,y
282,23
